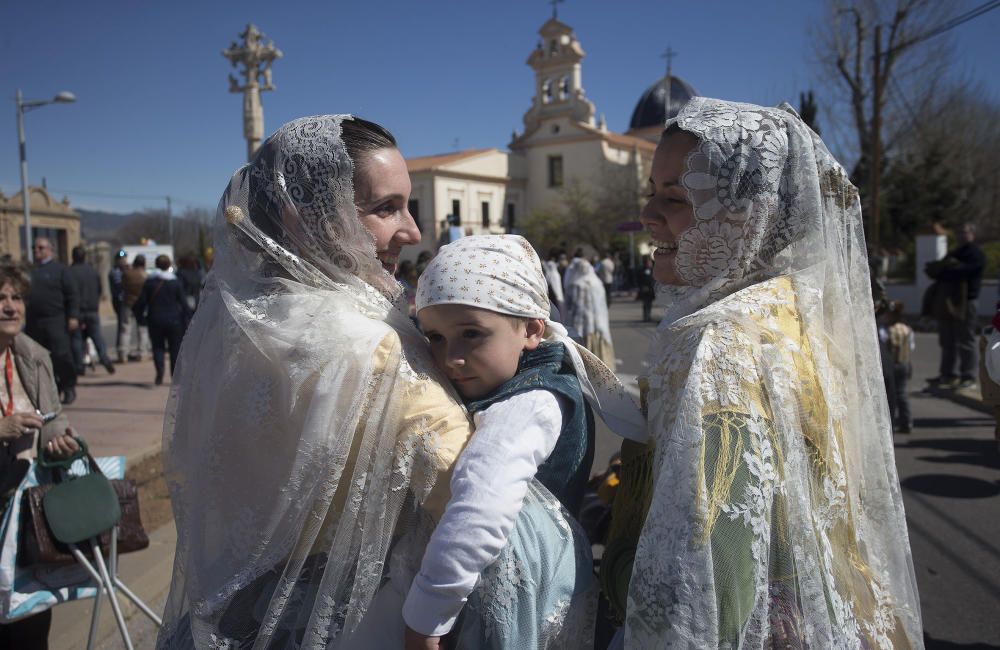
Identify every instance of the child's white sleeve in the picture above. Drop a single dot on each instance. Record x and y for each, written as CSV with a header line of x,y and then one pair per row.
x,y
488,486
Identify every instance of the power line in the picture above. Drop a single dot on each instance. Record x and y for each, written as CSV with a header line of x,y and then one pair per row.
x,y
949,24
898,92
110,195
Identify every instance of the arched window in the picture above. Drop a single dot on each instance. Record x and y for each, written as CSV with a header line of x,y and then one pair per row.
x,y
546,91
564,88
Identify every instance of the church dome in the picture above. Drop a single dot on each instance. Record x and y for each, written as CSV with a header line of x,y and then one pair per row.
x,y
651,108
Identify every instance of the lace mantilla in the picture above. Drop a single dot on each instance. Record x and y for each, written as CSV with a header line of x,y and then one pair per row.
x,y
767,411
292,414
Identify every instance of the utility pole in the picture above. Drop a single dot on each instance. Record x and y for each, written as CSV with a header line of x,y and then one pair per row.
x,y
256,59
876,171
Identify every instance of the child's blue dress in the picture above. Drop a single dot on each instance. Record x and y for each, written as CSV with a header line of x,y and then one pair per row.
x,y
541,592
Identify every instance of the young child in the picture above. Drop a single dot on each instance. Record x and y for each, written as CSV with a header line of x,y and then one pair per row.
x,y
483,305
901,344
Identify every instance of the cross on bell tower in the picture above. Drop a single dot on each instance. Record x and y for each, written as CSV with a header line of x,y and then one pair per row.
x,y
669,55
555,10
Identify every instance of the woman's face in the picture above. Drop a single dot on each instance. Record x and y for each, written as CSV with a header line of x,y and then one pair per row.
x,y
382,191
11,313
668,212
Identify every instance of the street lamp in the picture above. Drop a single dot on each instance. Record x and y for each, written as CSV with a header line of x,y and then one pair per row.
x,y
64,97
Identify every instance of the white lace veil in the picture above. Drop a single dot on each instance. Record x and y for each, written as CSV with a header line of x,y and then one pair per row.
x,y
588,311
289,476
770,352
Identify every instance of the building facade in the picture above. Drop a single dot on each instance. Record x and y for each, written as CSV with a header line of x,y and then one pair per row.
x,y
560,143
50,218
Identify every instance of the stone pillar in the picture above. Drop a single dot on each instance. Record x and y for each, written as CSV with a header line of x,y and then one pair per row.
x,y
99,255
930,248
256,59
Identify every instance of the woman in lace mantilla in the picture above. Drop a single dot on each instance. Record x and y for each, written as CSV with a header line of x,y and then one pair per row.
x,y
774,511
308,439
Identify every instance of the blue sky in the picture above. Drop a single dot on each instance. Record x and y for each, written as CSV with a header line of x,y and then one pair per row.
x,y
154,116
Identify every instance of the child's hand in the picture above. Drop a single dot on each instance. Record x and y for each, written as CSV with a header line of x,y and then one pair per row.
x,y
417,641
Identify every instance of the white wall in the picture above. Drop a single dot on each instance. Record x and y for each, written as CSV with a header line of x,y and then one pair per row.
x,y
582,161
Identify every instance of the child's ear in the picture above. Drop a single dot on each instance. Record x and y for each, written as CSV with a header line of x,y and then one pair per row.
x,y
534,331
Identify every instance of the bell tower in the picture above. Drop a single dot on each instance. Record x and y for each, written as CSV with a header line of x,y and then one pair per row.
x,y
558,89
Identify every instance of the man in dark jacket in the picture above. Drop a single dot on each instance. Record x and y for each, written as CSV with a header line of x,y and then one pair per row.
x,y
961,271
163,307
88,283
53,311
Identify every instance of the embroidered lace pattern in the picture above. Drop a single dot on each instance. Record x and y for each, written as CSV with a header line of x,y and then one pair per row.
x,y
509,609
291,472
776,518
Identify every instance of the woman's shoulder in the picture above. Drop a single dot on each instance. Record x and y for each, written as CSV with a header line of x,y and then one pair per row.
x,y
27,349
718,360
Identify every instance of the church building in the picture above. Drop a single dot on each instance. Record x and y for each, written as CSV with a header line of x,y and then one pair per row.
x,y
491,190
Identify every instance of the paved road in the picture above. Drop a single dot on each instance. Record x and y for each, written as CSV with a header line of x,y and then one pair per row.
x,y
949,469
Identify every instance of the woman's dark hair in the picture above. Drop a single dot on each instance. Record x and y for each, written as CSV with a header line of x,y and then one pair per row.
x,y
672,129
14,274
162,262
362,137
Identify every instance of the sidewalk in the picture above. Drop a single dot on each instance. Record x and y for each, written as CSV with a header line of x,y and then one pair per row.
x,y
925,366
121,414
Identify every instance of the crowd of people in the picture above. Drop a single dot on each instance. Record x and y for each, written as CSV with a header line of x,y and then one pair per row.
x,y
414,439
62,311
153,308
50,332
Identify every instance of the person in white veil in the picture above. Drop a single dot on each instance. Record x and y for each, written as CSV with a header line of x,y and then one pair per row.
x,y
554,281
308,439
588,310
774,510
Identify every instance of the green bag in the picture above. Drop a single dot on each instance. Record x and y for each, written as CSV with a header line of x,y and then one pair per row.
x,y
79,508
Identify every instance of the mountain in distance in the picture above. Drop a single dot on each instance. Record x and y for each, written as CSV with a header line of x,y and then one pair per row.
x,y
96,225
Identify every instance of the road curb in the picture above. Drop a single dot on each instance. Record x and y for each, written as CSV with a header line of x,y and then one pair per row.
x,y
136,457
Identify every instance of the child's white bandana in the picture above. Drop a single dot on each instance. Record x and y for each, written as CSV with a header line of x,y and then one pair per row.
x,y
503,274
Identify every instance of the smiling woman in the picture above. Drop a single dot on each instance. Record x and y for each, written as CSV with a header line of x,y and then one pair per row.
x,y
774,510
28,391
668,214
309,441
381,189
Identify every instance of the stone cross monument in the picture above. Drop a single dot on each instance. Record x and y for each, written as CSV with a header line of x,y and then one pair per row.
x,y
256,59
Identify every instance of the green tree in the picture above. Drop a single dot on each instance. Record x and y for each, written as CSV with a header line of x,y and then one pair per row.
x,y
921,189
588,213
